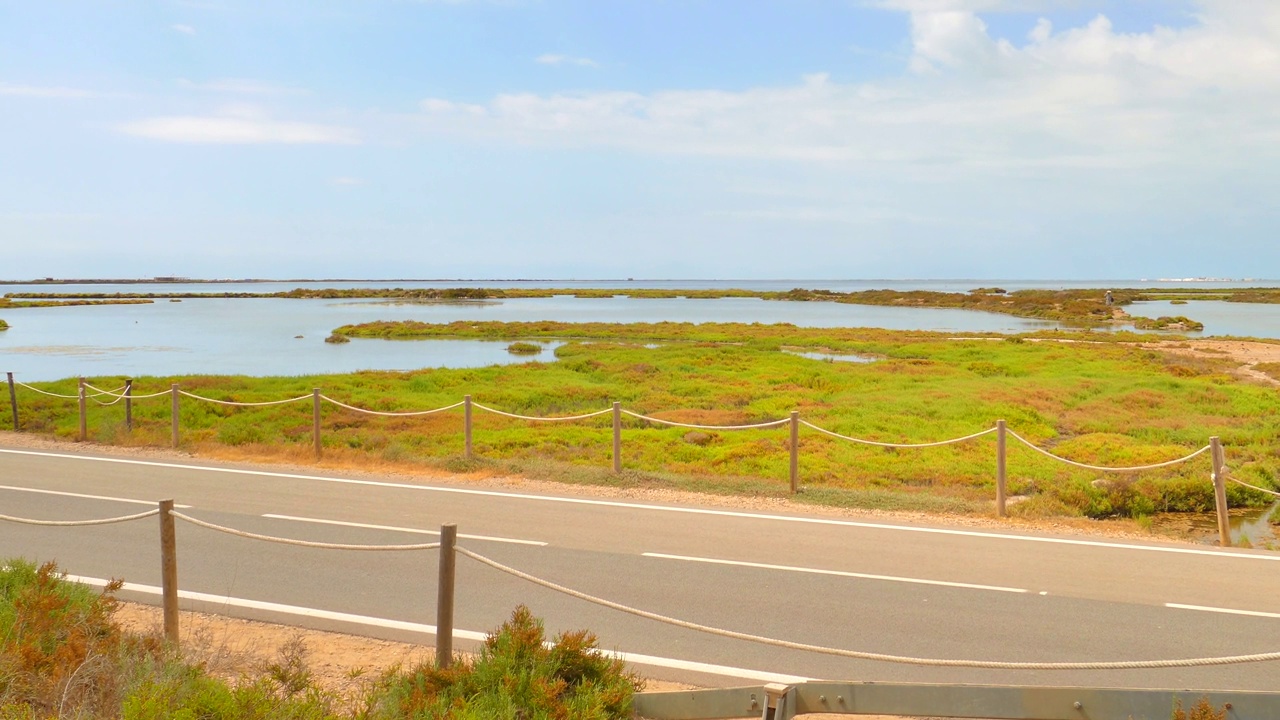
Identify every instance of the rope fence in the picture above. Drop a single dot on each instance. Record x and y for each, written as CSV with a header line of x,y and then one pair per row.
x,y
862,655
80,523
449,549
298,543
794,423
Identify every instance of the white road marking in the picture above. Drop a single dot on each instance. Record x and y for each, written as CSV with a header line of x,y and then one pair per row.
x,y
418,531
1238,555
1228,611
840,573
87,497
636,658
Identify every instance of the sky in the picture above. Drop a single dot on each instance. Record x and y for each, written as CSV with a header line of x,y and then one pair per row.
x,y
596,139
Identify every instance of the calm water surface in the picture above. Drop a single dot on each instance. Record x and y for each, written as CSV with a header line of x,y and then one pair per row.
x,y
259,336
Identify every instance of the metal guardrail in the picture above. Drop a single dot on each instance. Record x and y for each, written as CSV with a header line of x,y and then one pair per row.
x,y
783,702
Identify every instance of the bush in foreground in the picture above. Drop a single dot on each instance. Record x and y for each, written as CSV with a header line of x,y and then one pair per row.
x,y
62,655
518,676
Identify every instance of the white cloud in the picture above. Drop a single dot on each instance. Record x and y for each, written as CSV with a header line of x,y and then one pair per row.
x,y
553,59
240,125
1081,97
44,92
184,29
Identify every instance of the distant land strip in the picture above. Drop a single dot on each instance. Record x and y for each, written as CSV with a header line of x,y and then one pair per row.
x,y
1075,307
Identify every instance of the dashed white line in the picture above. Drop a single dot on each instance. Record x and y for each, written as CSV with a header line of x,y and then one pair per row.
x,y
635,658
1235,554
1228,611
840,573
417,531
87,497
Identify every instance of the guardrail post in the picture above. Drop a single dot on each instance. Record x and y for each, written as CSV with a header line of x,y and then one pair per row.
x,y
444,596
617,437
1220,491
795,451
1001,468
84,421
13,402
173,390
128,405
315,419
780,703
466,425
169,571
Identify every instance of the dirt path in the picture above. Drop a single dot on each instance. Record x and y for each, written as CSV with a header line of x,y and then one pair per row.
x,y
1248,355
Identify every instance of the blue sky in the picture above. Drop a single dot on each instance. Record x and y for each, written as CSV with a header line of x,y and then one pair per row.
x,y
1030,139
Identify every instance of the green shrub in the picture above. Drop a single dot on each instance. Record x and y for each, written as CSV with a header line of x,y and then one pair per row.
x,y
524,348
337,339
518,676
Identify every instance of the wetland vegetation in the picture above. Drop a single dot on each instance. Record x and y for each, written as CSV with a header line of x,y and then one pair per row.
x,y
1096,398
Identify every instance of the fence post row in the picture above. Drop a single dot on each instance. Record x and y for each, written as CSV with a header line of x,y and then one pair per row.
x,y
128,405
795,451
169,571
444,595
1220,491
315,420
1001,468
84,421
1219,463
466,424
617,437
173,390
13,402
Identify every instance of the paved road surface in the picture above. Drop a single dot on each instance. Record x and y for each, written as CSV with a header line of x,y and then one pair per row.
x,y
896,588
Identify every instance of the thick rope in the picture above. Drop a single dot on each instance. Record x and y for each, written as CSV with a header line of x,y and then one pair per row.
x,y
100,391
1251,487
540,419
1134,468
78,523
300,543
896,445
660,421
391,414
859,655
244,404
44,392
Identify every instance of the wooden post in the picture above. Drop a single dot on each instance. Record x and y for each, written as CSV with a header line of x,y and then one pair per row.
x,y
1220,491
617,437
128,405
13,402
315,419
795,451
169,571
84,422
173,412
1001,468
466,424
444,596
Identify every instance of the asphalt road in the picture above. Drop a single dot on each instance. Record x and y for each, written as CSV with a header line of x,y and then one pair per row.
x,y
895,588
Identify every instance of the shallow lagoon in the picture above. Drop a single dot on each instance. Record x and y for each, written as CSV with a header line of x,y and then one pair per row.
x,y
259,336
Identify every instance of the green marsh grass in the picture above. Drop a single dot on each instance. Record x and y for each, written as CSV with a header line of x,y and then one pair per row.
x,y
1090,397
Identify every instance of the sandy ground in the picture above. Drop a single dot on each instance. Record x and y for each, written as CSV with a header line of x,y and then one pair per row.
x,y
1247,355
